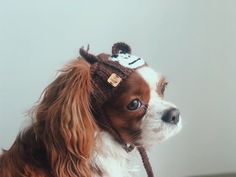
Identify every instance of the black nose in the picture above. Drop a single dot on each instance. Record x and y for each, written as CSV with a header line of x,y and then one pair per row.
x,y
171,116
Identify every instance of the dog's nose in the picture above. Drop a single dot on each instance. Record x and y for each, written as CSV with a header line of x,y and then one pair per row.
x,y
171,116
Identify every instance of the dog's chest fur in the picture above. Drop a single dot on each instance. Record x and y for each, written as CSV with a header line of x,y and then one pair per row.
x,y
111,160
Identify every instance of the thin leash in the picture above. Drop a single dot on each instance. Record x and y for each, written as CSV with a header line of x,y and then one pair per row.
x,y
146,162
142,152
129,148
101,69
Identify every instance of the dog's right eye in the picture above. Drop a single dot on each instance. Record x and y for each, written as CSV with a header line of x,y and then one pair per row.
x,y
134,104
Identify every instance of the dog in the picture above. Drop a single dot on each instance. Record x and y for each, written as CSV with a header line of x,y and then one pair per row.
x,y
90,118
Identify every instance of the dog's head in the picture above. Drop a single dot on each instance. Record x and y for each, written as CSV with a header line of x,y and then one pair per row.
x,y
139,112
129,98
119,93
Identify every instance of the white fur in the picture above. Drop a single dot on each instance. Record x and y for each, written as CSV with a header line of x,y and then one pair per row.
x,y
154,130
111,158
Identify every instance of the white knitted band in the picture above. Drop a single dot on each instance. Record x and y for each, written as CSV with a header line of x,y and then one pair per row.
x,y
128,60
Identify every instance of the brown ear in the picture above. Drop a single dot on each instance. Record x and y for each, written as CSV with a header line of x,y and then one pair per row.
x,y
65,123
90,58
120,47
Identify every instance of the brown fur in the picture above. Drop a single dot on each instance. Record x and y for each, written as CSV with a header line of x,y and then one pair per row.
x,y
161,85
59,142
126,122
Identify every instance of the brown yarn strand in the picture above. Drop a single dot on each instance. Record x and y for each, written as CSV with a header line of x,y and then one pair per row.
x,y
101,69
120,47
87,56
145,160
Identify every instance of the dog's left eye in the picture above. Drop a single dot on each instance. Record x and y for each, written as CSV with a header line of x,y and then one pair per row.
x,y
164,88
134,104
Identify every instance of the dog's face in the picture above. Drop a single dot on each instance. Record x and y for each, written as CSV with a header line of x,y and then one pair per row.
x,y
139,112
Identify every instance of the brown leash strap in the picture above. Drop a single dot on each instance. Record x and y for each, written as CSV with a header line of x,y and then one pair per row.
x,y
146,162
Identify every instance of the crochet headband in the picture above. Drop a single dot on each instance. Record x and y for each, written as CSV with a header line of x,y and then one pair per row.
x,y
108,71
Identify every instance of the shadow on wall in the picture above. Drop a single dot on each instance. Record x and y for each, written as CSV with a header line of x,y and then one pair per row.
x,y
218,175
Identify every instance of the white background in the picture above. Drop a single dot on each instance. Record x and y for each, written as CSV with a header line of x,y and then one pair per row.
x,y
193,42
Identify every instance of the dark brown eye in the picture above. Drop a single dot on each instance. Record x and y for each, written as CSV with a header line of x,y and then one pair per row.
x,y
163,88
134,105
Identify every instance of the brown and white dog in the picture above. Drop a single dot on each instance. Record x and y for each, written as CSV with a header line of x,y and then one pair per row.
x,y
88,119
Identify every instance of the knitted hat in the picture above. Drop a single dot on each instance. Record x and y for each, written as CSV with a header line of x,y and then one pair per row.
x,y
107,73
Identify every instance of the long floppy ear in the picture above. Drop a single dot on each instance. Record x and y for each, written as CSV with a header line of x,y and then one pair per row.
x,y
64,121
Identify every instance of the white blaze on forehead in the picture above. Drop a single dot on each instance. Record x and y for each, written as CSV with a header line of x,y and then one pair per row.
x,y
150,76
128,60
154,129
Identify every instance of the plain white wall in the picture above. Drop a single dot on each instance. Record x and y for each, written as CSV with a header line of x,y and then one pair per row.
x,y
192,42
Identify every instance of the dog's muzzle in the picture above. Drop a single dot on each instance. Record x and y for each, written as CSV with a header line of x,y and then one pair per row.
x,y
171,116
